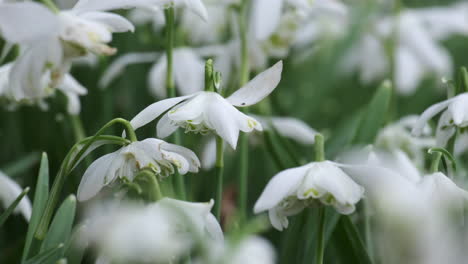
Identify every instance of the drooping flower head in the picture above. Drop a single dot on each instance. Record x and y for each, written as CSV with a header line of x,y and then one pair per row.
x,y
161,157
205,112
292,190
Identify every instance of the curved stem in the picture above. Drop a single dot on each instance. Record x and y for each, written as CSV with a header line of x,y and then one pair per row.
x,y
66,168
169,14
219,175
50,4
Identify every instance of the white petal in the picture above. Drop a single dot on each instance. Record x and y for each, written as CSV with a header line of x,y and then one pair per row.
x,y
277,219
113,22
428,114
157,78
409,71
165,127
459,109
70,84
445,130
118,65
220,118
258,88
279,187
9,191
195,6
103,5
189,155
292,128
208,156
213,228
19,22
153,111
96,177
189,71
265,17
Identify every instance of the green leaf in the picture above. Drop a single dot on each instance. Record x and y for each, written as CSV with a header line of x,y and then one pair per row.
x,y
46,257
349,243
39,203
346,132
60,229
375,115
12,207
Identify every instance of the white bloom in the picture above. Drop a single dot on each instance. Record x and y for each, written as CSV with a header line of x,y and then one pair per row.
x,y
203,112
250,250
159,232
188,69
155,154
9,191
455,115
397,136
418,33
291,190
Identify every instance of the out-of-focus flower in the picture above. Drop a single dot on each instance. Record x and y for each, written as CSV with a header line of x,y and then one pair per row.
x,y
417,33
397,136
205,112
455,115
160,232
292,190
9,191
155,154
250,250
188,71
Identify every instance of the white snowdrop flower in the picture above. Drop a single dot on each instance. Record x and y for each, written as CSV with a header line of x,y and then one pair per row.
x,y
9,191
292,190
455,115
397,136
205,112
419,32
250,250
155,154
189,70
151,14
160,232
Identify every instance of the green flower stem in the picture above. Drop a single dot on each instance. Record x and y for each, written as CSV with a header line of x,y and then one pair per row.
x,y
169,14
435,162
50,4
244,78
151,184
319,148
209,86
67,166
320,249
219,166
77,126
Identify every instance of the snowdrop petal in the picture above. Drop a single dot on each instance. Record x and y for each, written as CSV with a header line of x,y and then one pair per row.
x,y
103,5
118,65
154,110
70,84
266,15
194,162
258,88
458,109
157,78
195,6
289,127
279,187
428,114
445,130
189,71
19,22
220,119
277,219
113,22
96,177
408,71
208,156
9,191
165,127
